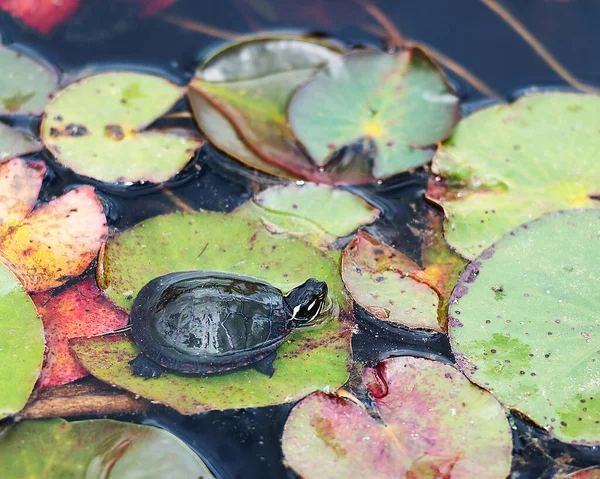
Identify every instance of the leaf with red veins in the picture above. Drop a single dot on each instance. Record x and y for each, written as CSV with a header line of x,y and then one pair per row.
x,y
432,422
82,310
20,183
56,241
41,15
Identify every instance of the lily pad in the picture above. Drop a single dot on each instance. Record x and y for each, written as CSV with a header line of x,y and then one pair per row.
x,y
95,448
81,310
21,345
14,143
318,213
249,85
312,358
26,85
41,15
432,423
509,164
524,323
94,125
588,473
400,103
56,241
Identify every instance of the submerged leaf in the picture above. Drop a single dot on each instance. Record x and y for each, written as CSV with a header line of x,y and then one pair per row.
x,y
79,311
14,143
21,345
509,164
310,359
320,214
398,103
25,84
95,448
433,423
524,323
94,125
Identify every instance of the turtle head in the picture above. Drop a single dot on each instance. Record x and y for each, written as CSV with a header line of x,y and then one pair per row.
x,y
306,301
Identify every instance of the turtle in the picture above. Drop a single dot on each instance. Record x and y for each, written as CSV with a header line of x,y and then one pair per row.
x,y
207,322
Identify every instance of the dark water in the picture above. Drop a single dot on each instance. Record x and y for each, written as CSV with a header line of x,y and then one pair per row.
x,y
246,443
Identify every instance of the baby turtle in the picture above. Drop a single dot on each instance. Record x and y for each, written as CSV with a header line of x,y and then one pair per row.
x,y
205,322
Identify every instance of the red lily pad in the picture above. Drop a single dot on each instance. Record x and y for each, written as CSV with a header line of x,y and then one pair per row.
x,y
432,422
82,310
41,15
54,242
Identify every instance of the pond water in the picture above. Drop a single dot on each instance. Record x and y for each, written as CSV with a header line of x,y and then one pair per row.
x,y
105,34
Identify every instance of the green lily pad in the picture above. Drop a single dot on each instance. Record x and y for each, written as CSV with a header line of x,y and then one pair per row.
x,y
95,448
15,143
509,164
25,84
94,125
249,85
318,213
400,103
432,423
310,359
21,345
524,323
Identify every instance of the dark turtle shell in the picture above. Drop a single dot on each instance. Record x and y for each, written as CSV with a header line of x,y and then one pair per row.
x,y
207,322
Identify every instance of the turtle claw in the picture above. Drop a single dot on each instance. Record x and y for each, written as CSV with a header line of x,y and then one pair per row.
x,y
144,367
265,365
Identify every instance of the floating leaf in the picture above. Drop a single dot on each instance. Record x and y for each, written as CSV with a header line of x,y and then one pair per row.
x,y
55,242
317,213
310,359
25,84
398,103
246,88
95,448
21,345
82,310
14,143
588,473
524,323
93,127
508,164
433,423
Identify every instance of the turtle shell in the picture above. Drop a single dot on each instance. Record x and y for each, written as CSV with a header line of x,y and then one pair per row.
x,y
207,322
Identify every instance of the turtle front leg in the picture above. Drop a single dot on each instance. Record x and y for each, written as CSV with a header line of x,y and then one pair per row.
x,y
265,365
145,367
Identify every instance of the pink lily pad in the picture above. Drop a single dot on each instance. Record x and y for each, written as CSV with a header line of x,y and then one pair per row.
x,y
432,423
82,310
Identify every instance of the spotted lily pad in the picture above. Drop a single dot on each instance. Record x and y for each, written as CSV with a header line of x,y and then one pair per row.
x,y
14,143
317,213
395,104
310,359
432,423
79,311
240,96
21,345
53,243
94,126
95,448
25,84
524,323
509,164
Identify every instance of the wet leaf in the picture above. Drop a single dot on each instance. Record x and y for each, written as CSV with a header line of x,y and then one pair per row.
x,y
56,241
588,473
509,164
25,84
399,104
94,126
310,359
14,143
21,345
524,323
95,448
433,423
81,310
247,87
390,285
317,213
